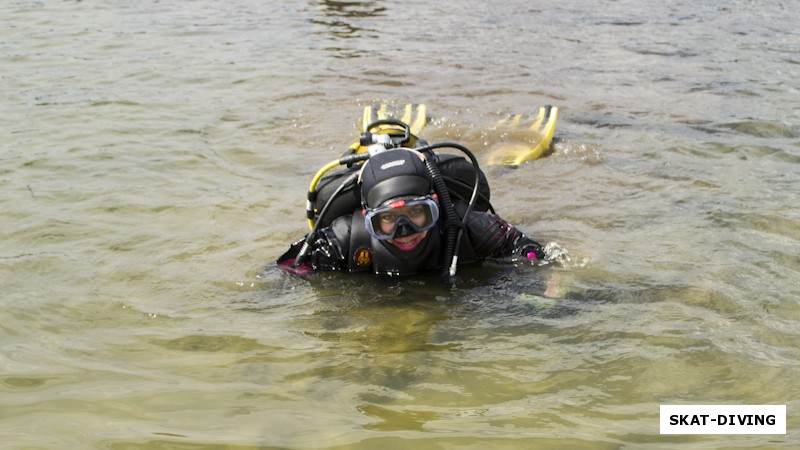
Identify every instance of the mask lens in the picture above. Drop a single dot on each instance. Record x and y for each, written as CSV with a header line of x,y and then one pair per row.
x,y
419,214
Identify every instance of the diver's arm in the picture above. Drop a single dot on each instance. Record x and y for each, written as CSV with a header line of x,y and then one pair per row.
x,y
325,251
493,237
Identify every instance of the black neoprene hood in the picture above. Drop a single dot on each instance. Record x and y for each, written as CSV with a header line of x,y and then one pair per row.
x,y
392,174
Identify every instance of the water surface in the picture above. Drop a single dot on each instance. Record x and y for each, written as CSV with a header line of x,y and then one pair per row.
x,y
154,161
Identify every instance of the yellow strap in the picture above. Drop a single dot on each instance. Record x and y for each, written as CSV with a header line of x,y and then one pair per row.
x,y
313,186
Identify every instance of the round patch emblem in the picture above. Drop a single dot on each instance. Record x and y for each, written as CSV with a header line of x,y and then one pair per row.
x,y
363,257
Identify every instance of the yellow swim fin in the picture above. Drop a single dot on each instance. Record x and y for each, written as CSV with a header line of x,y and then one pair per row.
x,y
527,144
415,115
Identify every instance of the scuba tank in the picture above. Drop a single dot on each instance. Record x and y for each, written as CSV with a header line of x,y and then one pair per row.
x,y
332,195
457,172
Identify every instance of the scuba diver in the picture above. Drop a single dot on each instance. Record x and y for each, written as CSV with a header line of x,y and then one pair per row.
x,y
402,210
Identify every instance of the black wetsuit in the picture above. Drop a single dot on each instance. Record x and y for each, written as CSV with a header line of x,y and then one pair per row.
x,y
346,246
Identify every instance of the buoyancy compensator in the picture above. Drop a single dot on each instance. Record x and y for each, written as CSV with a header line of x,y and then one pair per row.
x,y
455,178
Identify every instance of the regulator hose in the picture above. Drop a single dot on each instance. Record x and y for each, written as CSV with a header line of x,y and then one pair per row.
x,y
450,222
455,230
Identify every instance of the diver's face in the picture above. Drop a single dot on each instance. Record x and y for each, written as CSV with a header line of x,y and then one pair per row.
x,y
416,214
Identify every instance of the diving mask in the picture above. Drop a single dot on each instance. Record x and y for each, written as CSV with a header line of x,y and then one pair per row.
x,y
402,217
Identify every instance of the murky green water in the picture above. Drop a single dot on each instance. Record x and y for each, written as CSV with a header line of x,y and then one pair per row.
x,y
155,157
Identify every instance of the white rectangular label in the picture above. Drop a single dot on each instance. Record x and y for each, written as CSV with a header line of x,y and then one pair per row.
x,y
723,419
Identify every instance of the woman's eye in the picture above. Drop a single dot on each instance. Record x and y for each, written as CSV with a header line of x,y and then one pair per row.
x,y
416,211
388,217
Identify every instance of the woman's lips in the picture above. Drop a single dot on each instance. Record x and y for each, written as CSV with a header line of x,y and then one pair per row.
x,y
408,243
